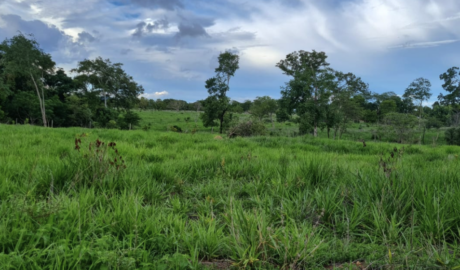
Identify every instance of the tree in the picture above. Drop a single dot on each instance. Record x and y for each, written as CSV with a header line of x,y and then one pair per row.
x,y
110,80
228,64
22,56
348,96
388,106
143,103
218,104
401,124
246,105
319,95
419,90
451,84
264,106
309,90
176,105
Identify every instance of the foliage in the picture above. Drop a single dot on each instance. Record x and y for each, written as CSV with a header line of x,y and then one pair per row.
x,y
246,128
128,119
263,107
218,104
23,59
452,136
402,125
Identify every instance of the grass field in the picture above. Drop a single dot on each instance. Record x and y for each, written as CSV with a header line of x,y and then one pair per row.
x,y
165,200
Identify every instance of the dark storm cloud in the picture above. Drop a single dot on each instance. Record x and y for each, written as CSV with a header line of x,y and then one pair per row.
x,y
193,29
85,37
49,37
143,27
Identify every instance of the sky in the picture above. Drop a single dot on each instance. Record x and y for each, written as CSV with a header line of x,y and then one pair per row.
x,y
171,46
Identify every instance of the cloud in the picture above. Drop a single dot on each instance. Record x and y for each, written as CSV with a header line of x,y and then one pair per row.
x,y
152,4
143,28
48,36
85,37
193,29
429,44
125,51
155,95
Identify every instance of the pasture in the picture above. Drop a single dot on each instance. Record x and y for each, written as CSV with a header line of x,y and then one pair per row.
x,y
166,200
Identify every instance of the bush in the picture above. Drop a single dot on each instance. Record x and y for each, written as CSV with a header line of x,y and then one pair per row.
x,y
128,118
452,136
111,124
433,122
246,129
104,115
176,129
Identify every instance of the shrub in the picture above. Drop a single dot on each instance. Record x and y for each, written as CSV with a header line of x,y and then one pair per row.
x,y
452,136
176,129
111,124
128,118
246,128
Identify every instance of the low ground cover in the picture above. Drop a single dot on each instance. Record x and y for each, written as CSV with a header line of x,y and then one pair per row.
x,y
167,200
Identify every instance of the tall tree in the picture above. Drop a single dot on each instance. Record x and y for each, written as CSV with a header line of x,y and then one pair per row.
x,y
110,79
217,105
22,56
451,84
228,64
419,90
314,87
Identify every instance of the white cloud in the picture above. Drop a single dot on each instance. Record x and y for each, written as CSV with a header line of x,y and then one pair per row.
x,y
155,95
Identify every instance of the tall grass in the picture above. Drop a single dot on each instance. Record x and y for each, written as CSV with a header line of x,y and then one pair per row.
x,y
188,201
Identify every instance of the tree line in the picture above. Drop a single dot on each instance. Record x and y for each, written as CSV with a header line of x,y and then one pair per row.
x,y
34,91
319,97
101,94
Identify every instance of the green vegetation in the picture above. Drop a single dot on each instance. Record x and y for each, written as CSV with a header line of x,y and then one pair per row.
x,y
344,177
189,201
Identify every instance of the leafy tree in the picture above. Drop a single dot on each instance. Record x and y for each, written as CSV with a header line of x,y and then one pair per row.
x,y
419,90
218,104
345,106
319,95
246,105
143,103
110,80
308,92
228,64
264,106
78,110
388,106
128,119
451,84
22,57
402,125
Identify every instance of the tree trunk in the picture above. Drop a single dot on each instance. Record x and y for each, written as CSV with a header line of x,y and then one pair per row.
x,y
273,123
41,101
328,131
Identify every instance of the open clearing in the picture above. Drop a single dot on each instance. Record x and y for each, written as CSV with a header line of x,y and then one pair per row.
x,y
190,201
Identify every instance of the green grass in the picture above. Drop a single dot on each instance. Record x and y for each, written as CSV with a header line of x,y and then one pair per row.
x,y
189,201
